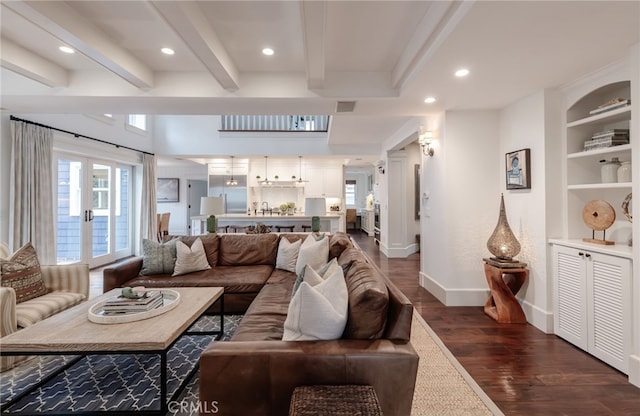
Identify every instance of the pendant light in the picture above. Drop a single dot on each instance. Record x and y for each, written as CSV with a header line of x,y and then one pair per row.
x,y
300,182
232,181
266,180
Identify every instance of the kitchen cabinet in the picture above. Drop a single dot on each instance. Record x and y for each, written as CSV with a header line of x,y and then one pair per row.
x,y
324,181
367,224
593,303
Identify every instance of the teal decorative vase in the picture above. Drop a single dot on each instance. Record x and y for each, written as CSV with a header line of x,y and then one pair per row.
x,y
315,224
212,224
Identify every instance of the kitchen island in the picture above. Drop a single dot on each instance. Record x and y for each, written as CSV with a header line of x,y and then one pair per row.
x,y
331,222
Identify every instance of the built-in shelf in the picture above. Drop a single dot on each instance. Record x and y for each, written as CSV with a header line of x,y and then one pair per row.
x,y
282,184
615,185
618,114
606,151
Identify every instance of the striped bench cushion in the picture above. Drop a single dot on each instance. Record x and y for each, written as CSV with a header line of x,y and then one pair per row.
x,y
35,310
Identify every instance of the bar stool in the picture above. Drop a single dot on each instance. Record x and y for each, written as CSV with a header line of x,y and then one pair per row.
x,y
306,228
279,228
235,228
224,228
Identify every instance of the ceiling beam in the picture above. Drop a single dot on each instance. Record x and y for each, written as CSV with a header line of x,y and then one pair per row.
x,y
438,22
188,22
32,66
63,22
313,22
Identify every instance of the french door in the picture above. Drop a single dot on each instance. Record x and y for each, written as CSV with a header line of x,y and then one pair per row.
x,y
93,218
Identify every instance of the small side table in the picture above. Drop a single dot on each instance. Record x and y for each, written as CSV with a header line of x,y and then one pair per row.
x,y
504,282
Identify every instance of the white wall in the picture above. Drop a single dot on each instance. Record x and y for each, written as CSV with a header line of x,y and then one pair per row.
x,y
414,154
524,124
179,220
462,186
402,227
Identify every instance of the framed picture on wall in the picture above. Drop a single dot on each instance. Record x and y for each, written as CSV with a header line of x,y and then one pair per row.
x,y
518,169
168,190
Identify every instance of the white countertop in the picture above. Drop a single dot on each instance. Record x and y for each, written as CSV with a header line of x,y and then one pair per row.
x,y
274,217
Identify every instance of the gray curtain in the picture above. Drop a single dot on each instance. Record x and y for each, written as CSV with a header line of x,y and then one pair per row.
x,y
31,215
148,220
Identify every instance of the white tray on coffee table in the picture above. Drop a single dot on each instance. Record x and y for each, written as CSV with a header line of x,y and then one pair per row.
x,y
170,298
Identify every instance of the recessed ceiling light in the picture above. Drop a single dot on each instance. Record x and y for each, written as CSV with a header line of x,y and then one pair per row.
x,y
167,51
66,49
462,72
430,100
267,51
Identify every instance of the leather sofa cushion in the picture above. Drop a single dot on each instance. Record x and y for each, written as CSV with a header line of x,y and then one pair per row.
x,y
339,242
237,279
211,243
350,254
248,249
368,302
264,320
234,279
281,276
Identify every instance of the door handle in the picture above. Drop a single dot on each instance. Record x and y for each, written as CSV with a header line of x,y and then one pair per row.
x,y
90,215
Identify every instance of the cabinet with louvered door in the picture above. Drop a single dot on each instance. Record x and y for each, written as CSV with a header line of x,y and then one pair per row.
x,y
593,305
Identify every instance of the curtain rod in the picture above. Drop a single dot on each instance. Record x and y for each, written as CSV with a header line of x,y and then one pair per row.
x,y
79,135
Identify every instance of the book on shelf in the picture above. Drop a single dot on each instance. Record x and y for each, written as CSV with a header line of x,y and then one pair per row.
x,y
610,133
610,105
600,144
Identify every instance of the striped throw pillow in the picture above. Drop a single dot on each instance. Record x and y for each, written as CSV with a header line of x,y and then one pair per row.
x,y
22,273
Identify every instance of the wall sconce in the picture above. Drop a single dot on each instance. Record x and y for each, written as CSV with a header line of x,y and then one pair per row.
x,y
425,139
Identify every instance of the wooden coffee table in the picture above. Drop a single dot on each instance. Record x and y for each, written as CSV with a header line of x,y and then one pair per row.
x,y
71,333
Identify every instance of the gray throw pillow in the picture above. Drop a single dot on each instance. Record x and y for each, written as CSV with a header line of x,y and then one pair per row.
x,y
158,258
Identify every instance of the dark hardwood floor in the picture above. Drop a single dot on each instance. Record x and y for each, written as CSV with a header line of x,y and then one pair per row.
x,y
523,370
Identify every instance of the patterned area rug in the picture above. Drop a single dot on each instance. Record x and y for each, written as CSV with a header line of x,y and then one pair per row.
x,y
111,382
131,382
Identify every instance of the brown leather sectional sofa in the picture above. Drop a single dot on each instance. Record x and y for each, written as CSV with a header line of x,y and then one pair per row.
x,y
255,373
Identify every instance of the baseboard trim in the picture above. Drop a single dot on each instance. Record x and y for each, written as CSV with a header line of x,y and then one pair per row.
x,y
454,297
401,252
541,319
634,370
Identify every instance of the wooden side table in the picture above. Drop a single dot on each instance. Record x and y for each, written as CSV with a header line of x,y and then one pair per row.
x,y
504,283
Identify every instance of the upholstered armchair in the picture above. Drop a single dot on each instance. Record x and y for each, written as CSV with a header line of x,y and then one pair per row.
x,y
67,285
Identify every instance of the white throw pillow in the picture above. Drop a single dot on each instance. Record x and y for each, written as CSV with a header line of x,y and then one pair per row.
x,y
287,254
319,308
190,259
313,253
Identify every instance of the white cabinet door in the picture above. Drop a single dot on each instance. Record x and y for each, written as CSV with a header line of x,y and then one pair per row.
x,y
608,291
570,319
315,187
324,182
333,182
593,304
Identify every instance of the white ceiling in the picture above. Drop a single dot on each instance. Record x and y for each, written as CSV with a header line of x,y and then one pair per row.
x,y
386,55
